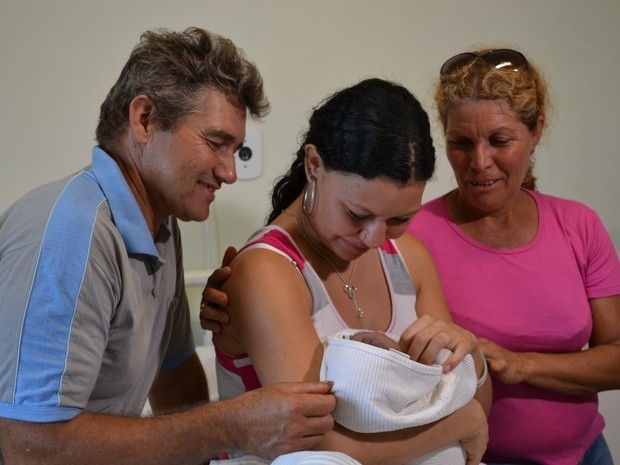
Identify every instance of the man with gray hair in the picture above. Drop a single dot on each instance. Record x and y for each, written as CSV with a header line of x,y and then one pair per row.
x,y
94,315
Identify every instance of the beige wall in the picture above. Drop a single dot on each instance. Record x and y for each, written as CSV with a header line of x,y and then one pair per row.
x,y
58,59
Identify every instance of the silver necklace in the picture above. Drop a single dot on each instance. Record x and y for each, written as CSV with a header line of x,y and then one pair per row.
x,y
348,287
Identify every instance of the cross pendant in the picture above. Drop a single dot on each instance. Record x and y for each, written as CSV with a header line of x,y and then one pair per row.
x,y
350,290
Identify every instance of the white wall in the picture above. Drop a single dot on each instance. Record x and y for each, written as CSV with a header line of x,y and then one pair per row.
x,y
59,58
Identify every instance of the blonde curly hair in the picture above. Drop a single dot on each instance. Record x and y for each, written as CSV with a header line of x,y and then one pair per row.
x,y
524,92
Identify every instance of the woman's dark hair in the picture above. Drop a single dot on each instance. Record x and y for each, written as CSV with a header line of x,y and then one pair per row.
x,y
375,128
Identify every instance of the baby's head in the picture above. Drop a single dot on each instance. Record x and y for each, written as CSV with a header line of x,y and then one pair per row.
x,y
375,338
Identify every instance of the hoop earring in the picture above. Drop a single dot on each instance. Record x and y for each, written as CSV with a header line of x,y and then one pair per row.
x,y
308,199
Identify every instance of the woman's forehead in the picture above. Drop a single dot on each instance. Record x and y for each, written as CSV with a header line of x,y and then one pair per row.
x,y
380,196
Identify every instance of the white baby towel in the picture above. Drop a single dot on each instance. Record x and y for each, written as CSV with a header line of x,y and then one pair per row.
x,y
294,458
384,390
315,457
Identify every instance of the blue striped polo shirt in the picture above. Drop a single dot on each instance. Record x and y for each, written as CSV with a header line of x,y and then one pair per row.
x,y
91,307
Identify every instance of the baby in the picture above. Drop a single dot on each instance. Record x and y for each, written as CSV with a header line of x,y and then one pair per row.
x,y
375,338
383,392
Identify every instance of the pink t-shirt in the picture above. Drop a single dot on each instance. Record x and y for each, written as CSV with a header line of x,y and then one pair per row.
x,y
530,298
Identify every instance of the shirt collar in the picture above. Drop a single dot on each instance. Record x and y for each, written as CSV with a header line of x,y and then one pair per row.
x,y
126,213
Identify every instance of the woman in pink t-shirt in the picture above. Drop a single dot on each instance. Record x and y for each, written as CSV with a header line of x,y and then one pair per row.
x,y
535,277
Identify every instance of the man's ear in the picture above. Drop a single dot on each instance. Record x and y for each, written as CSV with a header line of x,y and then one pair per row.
x,y
140,111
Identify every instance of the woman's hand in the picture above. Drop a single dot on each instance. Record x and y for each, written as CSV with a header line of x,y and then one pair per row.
x,y
504,364
475,443
213,313
425,337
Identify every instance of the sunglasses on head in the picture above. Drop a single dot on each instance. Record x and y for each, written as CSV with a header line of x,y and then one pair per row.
x,y
502,58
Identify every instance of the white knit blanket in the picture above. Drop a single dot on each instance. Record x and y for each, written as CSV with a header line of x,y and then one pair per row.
x,y
384,390
294,458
